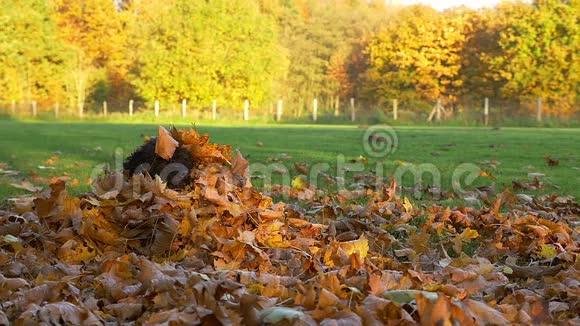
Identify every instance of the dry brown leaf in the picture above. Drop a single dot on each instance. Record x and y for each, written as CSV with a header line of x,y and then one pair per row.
x,y
241,167
485,314
26,185
165,146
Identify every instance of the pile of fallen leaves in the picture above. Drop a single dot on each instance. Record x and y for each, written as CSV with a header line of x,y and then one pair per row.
x,y
219,252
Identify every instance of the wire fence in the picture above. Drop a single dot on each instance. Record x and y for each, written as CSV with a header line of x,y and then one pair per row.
x,y
484,112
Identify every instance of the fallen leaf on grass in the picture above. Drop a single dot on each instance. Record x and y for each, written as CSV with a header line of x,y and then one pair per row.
x,y
8,172
550,161
360,159
402,163
26,185
486,174
299,182
52,160
536,175
533,185
492,164
301,168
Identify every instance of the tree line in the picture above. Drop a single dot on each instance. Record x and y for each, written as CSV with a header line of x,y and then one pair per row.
x,y
83,52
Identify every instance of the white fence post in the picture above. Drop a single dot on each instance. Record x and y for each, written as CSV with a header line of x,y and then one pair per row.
x,y
183,108
130,108
105,108
246,110
34,112
395,108
486,111
279,110
214,109
314,110
156,108
56,109
81,109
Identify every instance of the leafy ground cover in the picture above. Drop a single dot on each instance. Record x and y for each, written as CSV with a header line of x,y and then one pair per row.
x,y
220,252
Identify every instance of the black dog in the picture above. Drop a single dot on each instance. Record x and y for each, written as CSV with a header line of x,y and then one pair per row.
x,y
175,171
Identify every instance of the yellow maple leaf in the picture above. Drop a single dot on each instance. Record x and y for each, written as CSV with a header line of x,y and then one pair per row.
x,y
298,183
548,251
74,252
407,205
361,246
270,234
486,174
185,227
466,235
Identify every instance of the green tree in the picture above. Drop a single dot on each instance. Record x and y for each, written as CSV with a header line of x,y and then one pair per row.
x,y
323,41
31,58
540,53
225,50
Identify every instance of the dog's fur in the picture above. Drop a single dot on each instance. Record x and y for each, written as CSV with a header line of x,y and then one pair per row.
x,y
175,171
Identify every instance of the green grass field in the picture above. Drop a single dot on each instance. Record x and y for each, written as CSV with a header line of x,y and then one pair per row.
x,y
82,147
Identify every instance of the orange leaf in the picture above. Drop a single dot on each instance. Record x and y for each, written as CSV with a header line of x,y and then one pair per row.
x,y
485,314
327,299
376,285
241,167
165,145
361,246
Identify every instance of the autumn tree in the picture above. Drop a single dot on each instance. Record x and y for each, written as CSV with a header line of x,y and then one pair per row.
x,y
416,56
93,31
359,22
483,29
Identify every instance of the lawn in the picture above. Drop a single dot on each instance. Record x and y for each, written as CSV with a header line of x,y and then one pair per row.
x,y
39,150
